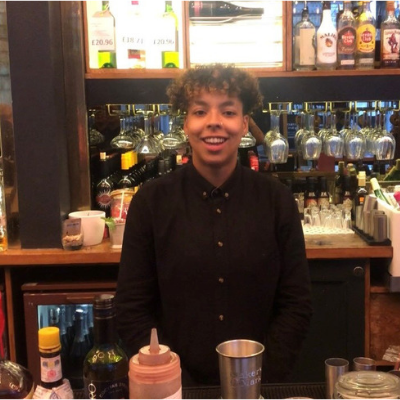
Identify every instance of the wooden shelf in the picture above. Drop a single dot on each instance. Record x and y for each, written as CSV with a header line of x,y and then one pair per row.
x,y
259,72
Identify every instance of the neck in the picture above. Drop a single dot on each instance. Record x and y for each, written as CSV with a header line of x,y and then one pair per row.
x,y
215,174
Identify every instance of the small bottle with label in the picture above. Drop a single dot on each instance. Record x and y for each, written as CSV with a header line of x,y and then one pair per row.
x,y
155,372
52,383
346,45
326,40
359,199
323,194
310,194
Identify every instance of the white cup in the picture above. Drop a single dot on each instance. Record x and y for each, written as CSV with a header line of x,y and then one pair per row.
x,y
93,224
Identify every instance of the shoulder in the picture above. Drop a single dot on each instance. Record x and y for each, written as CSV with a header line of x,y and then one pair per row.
x,y
264,182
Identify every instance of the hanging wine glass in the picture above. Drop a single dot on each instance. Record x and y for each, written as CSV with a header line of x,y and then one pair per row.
x,y
354,142
148,147
95,137
311,143
247,141
385,143
174,139
122,140
276,145
333,144
323,132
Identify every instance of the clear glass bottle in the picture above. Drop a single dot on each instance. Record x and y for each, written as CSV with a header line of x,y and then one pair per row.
x,y
105,370
304,48
170,55
326,41
346,45
366,32
390,39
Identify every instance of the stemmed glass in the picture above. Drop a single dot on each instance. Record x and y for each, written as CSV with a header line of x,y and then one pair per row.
x,y
95,137
301,121
123,140
333,143
175,139
354,142
149,146
311,143
276,145
384,143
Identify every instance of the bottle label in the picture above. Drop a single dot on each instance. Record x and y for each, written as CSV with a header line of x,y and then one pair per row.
x,y
306,47
326,48
103,199
50,369
390,44
323,202
366,38
114,389
347,40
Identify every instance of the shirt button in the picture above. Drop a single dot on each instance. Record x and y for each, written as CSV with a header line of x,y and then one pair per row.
x,y
221,280
221,317
220,244
226,195
219,211
204,195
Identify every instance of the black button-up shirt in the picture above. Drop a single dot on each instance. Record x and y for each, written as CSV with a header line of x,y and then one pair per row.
x,y
205,265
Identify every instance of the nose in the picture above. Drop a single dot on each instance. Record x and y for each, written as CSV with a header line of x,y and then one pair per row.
x,y
214,120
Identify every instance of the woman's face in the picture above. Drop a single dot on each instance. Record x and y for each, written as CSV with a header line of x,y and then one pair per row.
x,y
215,124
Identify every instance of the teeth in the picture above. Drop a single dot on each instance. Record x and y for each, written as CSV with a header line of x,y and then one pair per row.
x,y
214,140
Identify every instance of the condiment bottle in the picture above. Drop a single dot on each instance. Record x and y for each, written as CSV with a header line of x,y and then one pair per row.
x,y
155,372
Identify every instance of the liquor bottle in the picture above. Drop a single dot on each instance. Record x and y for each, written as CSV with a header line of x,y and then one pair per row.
x,y
390,39
339,183
102,36
326,40
346,45
3,220
323,194
347,198
365,54
104,187
204,9
105,370
79,349
304,49
376,188
51,374
310,194
394,173
130,34
64,340
359,199
16,382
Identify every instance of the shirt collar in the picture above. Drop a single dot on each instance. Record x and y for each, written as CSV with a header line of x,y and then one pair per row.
x,y
206,190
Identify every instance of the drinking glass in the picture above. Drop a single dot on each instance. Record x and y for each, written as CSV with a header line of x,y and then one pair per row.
x,y
333,143
175,139
149,145
276,145
384,143
311,143
354,143
95,137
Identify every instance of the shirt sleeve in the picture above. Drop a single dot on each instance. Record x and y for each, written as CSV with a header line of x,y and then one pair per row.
x,y
137,289
292,306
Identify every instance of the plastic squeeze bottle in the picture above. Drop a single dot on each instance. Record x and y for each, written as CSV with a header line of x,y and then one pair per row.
x,y
155,372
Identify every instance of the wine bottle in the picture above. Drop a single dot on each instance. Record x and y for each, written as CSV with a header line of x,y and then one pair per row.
x,y
359,200
346,44
105,369
326,40
201,9
104,186
390,39
394,173
323,194
304,49
376,188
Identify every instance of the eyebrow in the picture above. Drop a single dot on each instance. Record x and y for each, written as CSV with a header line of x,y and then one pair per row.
x,y
204,103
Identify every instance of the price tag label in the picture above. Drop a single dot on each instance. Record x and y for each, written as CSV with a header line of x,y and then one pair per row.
x,y
102,33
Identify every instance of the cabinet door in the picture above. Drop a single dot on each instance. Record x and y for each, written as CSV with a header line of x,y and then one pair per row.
x,y
337,328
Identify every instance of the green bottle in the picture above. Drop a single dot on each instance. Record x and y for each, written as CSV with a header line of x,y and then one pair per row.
x,y
378,191
394,173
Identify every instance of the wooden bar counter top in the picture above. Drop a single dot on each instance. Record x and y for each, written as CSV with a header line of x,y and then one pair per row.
x,y
317,246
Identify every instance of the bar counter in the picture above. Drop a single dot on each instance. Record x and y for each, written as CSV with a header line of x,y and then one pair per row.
x,y
317,247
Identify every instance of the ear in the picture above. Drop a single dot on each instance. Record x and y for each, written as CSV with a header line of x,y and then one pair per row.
x,y
246,120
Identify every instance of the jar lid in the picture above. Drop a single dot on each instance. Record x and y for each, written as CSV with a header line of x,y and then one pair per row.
x,y
367,384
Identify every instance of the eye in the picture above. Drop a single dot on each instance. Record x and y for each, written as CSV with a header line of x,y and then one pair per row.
x,y
230,113
199,112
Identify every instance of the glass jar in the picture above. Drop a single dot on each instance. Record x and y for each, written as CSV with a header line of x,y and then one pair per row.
x,y
367,385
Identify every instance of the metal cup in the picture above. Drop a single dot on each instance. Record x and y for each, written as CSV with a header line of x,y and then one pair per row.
x,y
334,367
240,363
364,364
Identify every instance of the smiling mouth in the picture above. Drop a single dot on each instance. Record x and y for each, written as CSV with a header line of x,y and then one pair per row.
x,y
214,140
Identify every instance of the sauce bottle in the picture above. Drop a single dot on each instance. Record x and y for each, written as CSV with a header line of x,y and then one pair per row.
x,y
155,372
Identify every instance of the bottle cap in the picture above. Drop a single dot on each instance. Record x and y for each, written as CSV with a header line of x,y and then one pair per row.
x,y
374,184
155,354
49,338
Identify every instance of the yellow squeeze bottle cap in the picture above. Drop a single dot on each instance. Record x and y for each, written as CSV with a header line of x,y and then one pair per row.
x,y
49,337
155,354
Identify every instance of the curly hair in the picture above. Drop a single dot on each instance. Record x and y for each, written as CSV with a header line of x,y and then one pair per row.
x,y
215,78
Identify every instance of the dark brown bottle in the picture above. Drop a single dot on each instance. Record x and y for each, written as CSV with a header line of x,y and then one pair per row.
x,y
16,382
310,194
